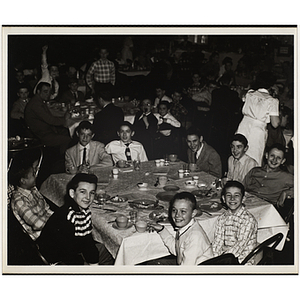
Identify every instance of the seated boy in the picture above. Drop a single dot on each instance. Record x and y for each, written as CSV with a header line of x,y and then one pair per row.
x,y
126,149
17,111
72,95
67,236
236,229
191,245
239,163
160,96
27,204
199,152
165,120
167,132
145,126
270,182
86,153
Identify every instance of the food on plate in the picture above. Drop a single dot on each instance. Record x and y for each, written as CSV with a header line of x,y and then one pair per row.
x,y
159,216
118,199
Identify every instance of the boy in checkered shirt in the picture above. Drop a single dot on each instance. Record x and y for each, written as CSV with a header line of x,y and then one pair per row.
x,y
27,204
236,229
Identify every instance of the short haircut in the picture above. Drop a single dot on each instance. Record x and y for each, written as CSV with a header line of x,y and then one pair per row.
x,y
106,94
177,89
194,131
147,100
73,80
236,184
189,197
23,86
126,123
85,125
81,177
160,85
240,138
21,165
278,147
163,102
41,84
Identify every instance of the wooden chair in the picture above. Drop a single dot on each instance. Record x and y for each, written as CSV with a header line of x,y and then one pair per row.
x,y
265,249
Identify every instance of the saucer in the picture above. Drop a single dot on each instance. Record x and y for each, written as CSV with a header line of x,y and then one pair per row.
x,y
171,187
115,226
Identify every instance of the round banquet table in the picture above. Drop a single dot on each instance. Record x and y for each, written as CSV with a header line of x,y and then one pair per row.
x,y
130,247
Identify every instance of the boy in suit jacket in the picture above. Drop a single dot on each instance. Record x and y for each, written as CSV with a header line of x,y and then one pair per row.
x,y
77,159
72,95
205,156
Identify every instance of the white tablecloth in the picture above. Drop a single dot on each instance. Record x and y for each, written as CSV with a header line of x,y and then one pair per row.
x,y
141,247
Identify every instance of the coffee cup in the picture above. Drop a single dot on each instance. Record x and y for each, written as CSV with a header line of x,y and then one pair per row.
x,y
162,180
157,162
181,173
122,221
196,179
141,226
115,173
162,162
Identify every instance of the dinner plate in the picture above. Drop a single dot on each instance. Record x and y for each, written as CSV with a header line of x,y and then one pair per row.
x,y
205,194
210,206
118,199
115,226
143,204
165,196
171,187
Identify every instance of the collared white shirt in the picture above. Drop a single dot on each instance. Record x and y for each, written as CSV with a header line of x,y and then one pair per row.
x,y
117,151
199,151
238,169
87,152
186,227
143,114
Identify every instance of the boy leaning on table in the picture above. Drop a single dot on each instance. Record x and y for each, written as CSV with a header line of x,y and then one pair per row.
x,y
126,149
86,153
236,228
190,245
67,236
239,163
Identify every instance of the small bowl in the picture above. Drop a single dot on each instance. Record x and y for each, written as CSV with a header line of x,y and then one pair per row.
x,y
173,157
122,221
141,226
190,184
142,185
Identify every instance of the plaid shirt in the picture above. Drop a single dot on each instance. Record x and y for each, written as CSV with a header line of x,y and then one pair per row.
x,y
235,233
31,210
178,111
102,71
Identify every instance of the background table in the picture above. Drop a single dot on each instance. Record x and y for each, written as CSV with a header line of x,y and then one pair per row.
x,y
130,247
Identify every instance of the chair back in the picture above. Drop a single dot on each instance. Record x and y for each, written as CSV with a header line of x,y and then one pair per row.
x,y
261,248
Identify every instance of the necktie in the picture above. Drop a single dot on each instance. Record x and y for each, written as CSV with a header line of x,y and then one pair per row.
x,y
75,96
127,152
84,156
195,156
177,248
53,86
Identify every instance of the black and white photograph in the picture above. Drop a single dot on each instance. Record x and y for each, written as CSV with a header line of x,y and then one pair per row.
x,y
150,150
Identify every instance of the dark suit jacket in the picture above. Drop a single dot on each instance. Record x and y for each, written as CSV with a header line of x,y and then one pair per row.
x,y
39,118
107,122
68,97
209,160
